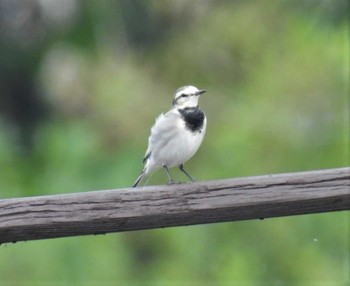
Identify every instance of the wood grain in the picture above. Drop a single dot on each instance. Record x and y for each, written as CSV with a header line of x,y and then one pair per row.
x,y
98,212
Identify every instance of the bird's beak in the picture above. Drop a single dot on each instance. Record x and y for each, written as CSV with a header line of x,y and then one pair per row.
x,y
199,92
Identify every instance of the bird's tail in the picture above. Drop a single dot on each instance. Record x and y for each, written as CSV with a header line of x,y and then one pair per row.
x,y
139,179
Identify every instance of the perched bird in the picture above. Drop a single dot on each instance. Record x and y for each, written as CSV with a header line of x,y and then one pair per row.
x,y
176,135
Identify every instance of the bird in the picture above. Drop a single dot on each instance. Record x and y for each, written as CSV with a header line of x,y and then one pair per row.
x,y
176,135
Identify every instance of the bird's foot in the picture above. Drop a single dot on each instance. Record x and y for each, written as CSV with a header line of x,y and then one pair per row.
x,y
174,182
179,182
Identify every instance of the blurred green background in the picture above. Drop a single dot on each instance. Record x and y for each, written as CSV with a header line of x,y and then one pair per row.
x,y
81,83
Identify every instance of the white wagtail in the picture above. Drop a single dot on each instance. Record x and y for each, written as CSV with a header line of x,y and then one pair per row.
x,y
176,135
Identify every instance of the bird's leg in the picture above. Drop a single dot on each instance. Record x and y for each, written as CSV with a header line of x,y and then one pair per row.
x,y
171,181
181,167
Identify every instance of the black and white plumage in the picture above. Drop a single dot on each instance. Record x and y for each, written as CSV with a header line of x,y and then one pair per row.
x,y
176,135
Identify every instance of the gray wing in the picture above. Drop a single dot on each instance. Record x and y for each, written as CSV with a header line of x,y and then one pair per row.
x,y
165,128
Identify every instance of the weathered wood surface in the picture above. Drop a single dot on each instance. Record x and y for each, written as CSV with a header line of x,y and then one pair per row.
x,y
108,211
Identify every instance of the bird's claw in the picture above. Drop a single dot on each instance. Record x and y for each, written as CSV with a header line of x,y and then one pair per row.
x,y
179,183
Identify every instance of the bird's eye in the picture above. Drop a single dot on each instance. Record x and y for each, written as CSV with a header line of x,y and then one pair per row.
x,y
184,95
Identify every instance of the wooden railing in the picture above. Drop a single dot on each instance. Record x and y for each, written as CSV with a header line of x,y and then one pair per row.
x,y
98,212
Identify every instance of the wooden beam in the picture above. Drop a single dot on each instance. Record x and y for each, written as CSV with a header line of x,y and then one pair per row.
x,y
108,211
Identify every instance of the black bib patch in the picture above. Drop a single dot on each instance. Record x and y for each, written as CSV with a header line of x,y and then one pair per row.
x,y
194,118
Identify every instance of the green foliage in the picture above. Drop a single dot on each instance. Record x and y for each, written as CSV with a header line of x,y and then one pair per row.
x,y
277,76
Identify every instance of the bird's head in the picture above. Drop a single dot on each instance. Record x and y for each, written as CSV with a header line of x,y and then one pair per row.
x,y
187,96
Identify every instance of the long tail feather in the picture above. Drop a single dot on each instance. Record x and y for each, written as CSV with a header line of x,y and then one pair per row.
x,y
138,180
